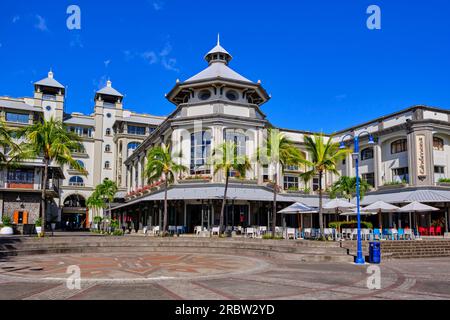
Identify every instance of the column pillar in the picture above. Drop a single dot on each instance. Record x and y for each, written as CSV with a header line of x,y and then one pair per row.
x,y
377,165
349,165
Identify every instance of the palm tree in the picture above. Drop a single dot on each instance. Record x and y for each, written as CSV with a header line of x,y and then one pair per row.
x,y
278,150
107,192
7,143
324,158
50,141
227,159
163,165
95,202
346,187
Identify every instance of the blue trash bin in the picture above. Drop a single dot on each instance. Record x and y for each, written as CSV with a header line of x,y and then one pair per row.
x,y
375,252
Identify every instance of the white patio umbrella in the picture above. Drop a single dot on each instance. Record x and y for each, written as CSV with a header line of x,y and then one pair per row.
x,y
415,207
337,206
299,209
380,207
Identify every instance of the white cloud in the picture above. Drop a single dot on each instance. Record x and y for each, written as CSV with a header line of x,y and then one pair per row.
x,y
151,57
107,63
15,19
170,64
158,5
41,23
166,50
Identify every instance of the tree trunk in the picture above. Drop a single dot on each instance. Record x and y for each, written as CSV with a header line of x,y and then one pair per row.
x,y
274,208
165,207
224,201
43,198
320,205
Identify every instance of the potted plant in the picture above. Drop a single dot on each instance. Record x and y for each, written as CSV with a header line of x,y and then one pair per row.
x,y
7,226
38,225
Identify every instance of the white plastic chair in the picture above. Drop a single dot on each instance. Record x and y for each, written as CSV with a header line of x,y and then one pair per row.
x,y
290,233
354,234
197,230
250,232
215,230
365,234
307,232
156,230
328,232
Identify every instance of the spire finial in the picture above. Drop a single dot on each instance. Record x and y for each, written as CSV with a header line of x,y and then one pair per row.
x,y
109,83
218,39
50,73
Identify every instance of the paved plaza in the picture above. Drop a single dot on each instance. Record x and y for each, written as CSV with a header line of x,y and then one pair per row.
x,y
179,276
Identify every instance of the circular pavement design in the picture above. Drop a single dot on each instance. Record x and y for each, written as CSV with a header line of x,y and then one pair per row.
x,y
128,267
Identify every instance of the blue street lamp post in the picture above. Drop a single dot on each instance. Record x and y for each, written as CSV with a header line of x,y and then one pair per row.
x,y
359,255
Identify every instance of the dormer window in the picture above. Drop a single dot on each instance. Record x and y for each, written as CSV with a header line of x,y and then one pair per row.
x,y
204,95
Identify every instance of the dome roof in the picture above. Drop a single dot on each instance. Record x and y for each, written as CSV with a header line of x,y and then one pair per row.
x,y
218,59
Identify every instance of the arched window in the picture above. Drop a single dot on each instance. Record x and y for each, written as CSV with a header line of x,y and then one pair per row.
x,y
80,163
76,182
398,146
108,132
107,165
367,154
438,144
132,146
107,148
200,151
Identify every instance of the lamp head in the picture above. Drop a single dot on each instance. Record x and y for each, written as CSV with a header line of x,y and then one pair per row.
x,y
371,140
342,145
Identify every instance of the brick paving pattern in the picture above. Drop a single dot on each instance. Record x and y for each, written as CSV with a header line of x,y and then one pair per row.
x,y
168,276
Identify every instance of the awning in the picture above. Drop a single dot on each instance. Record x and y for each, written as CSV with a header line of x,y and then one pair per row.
x,y
202,192
423,195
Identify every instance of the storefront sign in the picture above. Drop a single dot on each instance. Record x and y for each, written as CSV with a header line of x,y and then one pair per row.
x,y
420,154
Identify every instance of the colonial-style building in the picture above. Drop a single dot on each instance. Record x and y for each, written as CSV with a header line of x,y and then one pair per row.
x,y
109,135
409,160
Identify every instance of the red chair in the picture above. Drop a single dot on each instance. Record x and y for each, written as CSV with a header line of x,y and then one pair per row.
x,y
432,231
439,231
423,231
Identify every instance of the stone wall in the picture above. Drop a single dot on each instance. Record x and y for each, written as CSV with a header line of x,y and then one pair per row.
x,y
30,202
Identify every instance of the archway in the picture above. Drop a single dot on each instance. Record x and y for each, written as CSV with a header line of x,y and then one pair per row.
x,y
74,215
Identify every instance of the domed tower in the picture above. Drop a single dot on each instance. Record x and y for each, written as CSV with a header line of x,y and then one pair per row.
x,y
216,105
219,83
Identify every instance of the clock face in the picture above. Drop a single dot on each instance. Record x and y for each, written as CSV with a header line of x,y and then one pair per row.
x,y
48,108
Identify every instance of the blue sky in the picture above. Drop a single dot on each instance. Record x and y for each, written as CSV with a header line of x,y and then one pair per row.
x,y
324,68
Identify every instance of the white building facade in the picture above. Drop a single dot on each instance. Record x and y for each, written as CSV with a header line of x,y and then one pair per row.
x,y
411,154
